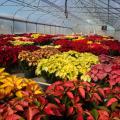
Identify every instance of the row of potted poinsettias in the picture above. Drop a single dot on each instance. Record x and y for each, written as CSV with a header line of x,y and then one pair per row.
x,y
69,65
11,45
23,99
87,87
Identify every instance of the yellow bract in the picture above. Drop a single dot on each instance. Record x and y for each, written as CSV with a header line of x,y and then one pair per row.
x,y
46,46
68,65
89,42
18,42
35,35
79,38
12,85
2,73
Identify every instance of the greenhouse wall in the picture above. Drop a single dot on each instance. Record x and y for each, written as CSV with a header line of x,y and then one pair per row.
x,y
117,35
5,26
88,29
10,27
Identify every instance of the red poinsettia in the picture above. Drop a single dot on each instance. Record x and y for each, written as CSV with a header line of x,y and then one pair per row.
x,y
108,71
9,54
79,99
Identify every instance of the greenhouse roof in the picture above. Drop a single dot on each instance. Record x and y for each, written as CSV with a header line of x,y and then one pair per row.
x,y
67,13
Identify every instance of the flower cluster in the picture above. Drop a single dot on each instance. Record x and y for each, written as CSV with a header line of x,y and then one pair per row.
x,y
76,100
18,98
108,71
114,46
68,65
11,86
72,100
32,57
88,86
43,39
18,42
5,41
9,54
35,35
98,48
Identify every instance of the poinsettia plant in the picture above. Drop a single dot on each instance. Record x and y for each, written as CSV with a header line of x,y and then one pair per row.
x,y
43,40
29,60
114,46
94,45
67,66
107,72
11,86
9,55
83,101
22,109
20,98
32,57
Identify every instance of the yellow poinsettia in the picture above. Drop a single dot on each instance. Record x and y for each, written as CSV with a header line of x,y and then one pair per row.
x,y
12,85
68,65
36,35
19,94
2,73
34,87
46,46
18,42
89,42
79,38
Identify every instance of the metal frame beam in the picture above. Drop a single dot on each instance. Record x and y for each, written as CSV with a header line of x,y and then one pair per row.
x,y
97,4
19,20
109,7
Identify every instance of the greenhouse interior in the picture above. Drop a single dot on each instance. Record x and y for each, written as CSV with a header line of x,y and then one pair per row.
x,y
59,59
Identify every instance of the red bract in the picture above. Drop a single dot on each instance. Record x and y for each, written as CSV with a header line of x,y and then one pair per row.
x,y
116,114
104,47
70,111
81,91
52,109
113,45
43,39
103,115
95,38
101,92
111,101
29,109
79,117
73,98
70,95
9,54
106,73
96,97
31,112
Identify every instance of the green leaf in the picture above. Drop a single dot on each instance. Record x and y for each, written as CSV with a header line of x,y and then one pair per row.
x,y
114,105
37,103
95,114
21,119
103,108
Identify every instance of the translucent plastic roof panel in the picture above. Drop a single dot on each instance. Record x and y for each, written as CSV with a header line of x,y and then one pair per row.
x,y
53,11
